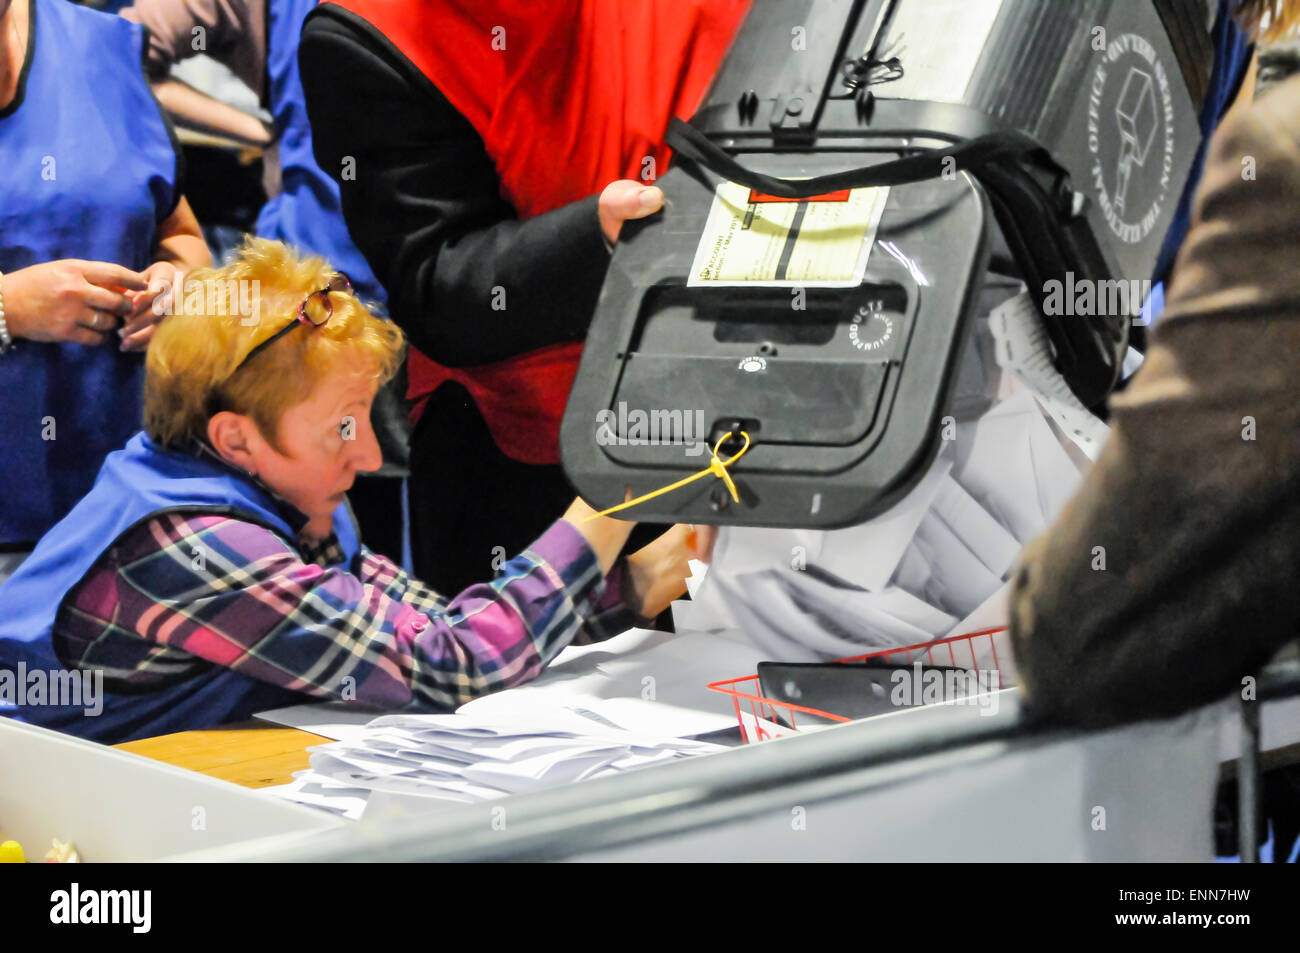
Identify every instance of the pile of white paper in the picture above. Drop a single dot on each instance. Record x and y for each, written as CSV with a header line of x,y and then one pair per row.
x,y
935,564
444,760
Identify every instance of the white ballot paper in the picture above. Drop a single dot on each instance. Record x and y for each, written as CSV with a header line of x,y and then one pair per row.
x,y
943,554
316,791
969,522
626,703
867,554
461,758
1011,462
866,622
1023,347
956,580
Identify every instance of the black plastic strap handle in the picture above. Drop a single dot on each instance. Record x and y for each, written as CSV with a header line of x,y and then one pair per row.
x,y
690,143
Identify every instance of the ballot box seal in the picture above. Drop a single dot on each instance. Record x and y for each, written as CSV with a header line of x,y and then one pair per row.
x,y
1131,136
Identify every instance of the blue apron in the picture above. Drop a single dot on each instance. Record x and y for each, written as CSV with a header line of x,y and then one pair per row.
x,y
1231,63
308,212
135,483
89,171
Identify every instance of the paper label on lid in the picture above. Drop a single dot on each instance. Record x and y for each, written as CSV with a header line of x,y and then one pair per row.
x,y
820,242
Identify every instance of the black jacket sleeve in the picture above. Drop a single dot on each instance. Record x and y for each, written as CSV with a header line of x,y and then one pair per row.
x,y
467,281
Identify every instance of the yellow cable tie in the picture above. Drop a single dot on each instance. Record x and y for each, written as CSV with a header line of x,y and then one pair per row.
x,y
717,467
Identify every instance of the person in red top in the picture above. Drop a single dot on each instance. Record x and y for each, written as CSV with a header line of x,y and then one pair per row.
x,y
488,154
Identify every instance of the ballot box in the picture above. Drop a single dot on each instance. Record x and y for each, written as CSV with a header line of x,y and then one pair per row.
x,y
117,806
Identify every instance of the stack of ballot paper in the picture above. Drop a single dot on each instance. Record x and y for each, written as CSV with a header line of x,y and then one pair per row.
x,y
454,759
934,565
633,700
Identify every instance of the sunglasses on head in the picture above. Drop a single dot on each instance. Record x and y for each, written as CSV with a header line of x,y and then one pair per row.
x,y
316,309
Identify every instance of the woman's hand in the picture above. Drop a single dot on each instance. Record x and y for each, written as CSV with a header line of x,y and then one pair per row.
x,y
180,248
701,540
626,199
658,571
148,307
69,300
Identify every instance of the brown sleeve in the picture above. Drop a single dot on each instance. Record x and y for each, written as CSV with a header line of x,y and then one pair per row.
x,y
1193,508
232,32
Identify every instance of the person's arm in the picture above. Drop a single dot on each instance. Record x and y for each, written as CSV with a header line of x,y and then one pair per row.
x,y
193,109
421,198
179,247
232,32
180,239
1171,575
615,611
253,606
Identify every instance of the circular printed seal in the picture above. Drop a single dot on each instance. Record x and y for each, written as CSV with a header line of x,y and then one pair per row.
x,y
1130,136
871,328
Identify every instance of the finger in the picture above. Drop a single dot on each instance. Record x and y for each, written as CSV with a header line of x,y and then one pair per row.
x,y
699,541
80,335
645,202
139,308
138,340
705,538
157,300
108,275
101,322
641,202
152,303
102,299
629,194
628,200
138,322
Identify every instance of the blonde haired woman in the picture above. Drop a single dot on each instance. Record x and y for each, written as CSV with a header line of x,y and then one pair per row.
x,y
214,571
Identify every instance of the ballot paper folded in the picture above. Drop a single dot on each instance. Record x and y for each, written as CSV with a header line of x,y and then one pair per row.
x,y
1013,464
935,565
433,761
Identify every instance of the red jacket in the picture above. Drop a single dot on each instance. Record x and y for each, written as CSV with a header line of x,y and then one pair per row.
x,y
568,96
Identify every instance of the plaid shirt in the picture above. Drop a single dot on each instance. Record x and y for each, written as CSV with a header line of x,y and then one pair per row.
x,y
188,590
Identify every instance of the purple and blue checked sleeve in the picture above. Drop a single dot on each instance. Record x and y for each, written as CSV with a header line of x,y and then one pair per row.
x,y
187,590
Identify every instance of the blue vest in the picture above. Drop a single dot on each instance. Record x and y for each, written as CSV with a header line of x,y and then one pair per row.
x,y
89,171
308,212
1231,63
134,484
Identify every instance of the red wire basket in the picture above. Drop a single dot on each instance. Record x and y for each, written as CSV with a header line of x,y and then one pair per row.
x,y
985,650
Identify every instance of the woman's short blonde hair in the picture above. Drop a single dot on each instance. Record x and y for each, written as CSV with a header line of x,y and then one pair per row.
x,y
1268,21
221,314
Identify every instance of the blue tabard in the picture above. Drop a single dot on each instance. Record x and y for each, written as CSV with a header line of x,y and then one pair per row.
x,y
136,483
308,212
88,169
